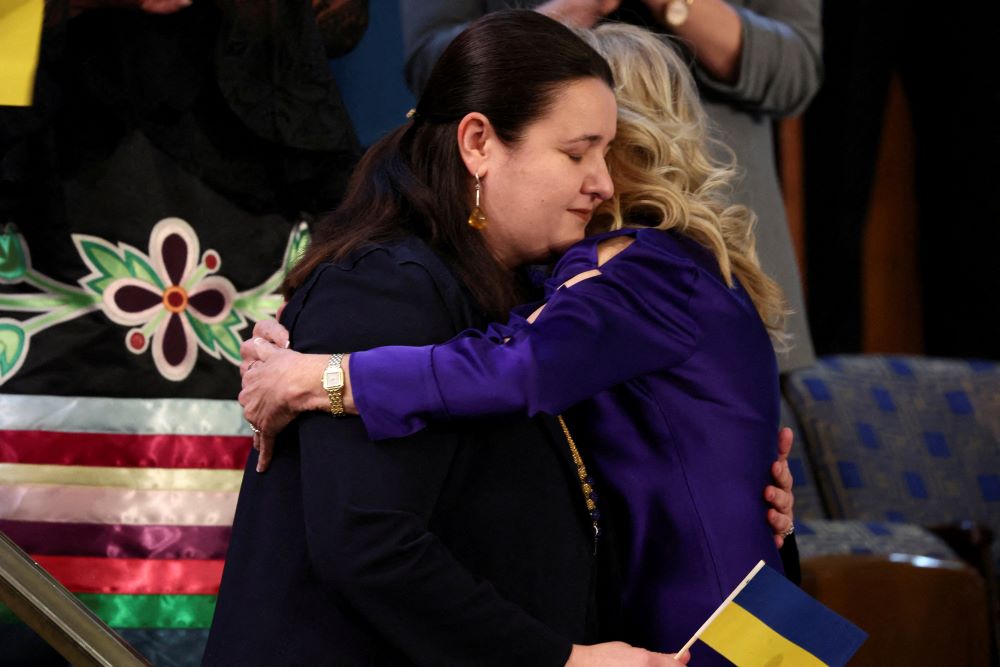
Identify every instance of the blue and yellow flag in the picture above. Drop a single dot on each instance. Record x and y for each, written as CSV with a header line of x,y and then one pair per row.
x,y
771,621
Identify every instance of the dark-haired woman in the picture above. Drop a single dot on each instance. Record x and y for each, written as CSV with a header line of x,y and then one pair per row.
x,y
659,337
464,545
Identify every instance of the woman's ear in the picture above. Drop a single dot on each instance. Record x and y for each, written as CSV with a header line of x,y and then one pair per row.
x,y
476,139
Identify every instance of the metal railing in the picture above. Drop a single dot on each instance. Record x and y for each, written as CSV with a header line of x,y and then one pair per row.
x,y
58,616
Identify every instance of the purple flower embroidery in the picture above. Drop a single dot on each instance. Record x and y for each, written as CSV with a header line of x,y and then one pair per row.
x,y
165,303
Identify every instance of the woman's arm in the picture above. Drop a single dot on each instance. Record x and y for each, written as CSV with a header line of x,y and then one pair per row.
x,y
764,56
279,383
714,33
594,335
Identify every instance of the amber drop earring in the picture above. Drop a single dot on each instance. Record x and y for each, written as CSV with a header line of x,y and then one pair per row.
x,y
477,219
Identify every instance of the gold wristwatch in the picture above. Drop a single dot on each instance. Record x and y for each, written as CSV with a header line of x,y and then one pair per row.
x,y
333,383
677,12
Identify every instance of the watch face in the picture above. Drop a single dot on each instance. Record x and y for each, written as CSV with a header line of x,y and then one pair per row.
x,y
677,12
333,378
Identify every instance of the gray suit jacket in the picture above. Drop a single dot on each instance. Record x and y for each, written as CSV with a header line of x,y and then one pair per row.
x,y
780,72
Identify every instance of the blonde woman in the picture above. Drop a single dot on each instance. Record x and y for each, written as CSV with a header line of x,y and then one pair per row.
x,y
654,340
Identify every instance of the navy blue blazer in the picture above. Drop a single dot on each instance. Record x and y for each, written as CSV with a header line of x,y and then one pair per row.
x,y
465,544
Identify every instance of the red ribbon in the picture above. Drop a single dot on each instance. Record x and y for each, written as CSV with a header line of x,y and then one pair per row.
x,y
124,449
134,576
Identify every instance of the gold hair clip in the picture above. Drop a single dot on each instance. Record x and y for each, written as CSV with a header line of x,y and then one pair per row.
x,y
411,113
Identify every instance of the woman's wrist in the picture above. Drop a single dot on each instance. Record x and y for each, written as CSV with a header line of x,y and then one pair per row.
x,y
308,392
349,406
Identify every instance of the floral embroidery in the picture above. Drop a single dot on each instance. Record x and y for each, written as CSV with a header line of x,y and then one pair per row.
x,y
167,297
171,298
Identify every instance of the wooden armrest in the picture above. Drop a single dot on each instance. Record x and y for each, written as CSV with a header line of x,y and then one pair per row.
x,y
973,542
916,610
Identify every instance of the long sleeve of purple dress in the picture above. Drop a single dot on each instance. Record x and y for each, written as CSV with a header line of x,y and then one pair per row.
x,y
630,320
673,385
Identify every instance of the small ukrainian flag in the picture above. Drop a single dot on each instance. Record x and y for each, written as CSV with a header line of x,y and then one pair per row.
x,y
768,620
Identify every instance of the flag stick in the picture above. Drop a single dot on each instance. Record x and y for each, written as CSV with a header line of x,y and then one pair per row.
x,y
694,638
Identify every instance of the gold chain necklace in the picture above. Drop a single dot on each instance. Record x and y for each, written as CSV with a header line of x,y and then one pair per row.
x,y
586,482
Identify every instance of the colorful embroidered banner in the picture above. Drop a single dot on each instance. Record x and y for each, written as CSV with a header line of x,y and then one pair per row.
x,y
117,540
127,502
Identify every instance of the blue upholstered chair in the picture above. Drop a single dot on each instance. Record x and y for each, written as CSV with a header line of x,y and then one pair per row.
x,y
894,440
888,446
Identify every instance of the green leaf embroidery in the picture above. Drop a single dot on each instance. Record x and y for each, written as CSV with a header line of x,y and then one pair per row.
x,y
13,343
110,264
297,245
221,337
12,259
140,268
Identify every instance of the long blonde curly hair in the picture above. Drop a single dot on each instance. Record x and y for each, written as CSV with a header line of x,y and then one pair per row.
x,y
661,168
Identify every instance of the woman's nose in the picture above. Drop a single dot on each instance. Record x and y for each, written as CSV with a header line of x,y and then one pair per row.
x,y
599,183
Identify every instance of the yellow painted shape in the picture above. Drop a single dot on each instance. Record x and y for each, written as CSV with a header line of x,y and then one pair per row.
x,y
20,37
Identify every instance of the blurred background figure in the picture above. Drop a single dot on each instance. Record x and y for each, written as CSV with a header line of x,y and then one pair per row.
x,y
754,61
900,169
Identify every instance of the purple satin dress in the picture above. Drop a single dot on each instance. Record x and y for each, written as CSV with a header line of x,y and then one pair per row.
x,y
674,388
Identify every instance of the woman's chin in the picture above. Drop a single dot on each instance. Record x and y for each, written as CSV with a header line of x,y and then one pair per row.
x,y
557,249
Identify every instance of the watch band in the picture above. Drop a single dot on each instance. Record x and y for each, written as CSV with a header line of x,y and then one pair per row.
x,y
333,383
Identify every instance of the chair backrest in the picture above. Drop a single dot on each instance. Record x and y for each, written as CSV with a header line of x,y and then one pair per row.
x,y
903,438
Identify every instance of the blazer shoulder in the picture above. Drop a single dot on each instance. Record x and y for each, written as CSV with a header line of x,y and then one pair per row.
x,y
381,294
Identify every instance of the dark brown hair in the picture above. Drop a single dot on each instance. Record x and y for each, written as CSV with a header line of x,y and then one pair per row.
x,y
508,66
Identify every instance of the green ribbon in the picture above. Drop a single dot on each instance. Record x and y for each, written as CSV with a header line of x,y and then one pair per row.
x,y
143,611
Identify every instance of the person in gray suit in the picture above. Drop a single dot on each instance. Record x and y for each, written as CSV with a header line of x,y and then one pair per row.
x,y
754,61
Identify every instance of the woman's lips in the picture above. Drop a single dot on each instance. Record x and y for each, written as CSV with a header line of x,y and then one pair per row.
x,y
583,213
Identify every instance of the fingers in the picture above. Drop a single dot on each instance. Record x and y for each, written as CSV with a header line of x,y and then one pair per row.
x,y
781,525
266,450
779,499
786,438
244,399
265,348
662,660
248,355
271,331
782,475
255,350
